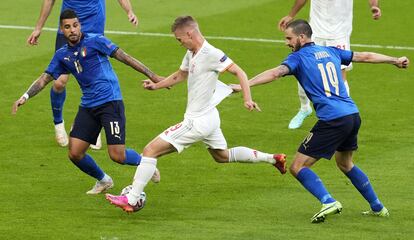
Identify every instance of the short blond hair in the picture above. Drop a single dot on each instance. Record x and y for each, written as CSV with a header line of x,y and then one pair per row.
x,y
184,21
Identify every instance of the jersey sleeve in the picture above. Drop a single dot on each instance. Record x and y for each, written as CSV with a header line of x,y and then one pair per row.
x,y
345,55
185,64
104,45
292,62
56,68
219,61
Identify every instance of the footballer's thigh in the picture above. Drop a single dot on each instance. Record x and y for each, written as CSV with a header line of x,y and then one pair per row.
x,y
157,148
181,135
217,146
112,117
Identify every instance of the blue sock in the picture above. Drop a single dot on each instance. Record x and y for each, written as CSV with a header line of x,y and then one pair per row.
x,y
132,157
88,166
57,100
314,185
361,182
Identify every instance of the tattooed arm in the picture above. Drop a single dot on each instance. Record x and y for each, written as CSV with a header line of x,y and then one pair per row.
x,y
34,89
269,75
123,57
265,77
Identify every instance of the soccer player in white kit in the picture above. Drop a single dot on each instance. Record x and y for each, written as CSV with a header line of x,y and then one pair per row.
x,y
201,65
331,22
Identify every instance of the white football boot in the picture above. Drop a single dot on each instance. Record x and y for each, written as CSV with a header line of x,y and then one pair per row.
x,y
101,186
61,135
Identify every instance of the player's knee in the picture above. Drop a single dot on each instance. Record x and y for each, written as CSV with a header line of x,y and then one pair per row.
x,y
75,156
344,166
148,151
118,157
59,86
295,168
220,158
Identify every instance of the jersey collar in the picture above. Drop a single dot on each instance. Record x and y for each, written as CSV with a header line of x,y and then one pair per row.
x,y
308,44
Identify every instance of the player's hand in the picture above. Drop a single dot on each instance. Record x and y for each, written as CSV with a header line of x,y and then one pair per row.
x,y
33,38
149,85
376,12
252,106
235,87
132,18
402,62
22,100
158,79
284,22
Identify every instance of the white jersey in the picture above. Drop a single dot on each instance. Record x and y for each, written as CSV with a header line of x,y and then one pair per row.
x,y
203,70
331,19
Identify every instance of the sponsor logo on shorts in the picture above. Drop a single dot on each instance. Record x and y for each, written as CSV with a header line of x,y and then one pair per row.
x,y
306,140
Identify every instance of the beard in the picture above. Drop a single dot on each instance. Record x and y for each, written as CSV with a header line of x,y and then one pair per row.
x,y
74,38
297,46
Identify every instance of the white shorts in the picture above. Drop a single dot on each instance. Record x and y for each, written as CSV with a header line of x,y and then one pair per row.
x,y
342,43
205,128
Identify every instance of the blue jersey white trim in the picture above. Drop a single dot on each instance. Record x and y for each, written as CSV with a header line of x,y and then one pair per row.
x,y
88,62
318,70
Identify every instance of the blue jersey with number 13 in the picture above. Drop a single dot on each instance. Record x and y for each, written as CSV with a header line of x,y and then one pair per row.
x,y
318,70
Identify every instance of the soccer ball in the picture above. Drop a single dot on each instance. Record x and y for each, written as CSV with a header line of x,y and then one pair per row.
x,y
126,190
141,200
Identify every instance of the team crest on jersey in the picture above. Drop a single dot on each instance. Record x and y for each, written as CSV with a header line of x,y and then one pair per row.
x,y
83,52
224,58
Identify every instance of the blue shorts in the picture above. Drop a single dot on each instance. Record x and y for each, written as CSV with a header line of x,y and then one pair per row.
x,y
326,137
60,41
89,122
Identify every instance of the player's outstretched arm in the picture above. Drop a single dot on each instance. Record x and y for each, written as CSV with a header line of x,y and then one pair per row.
x,y
169,81
123,57
34,89
370,57
44,14
245,88
264,77
126,5
283,22
375,10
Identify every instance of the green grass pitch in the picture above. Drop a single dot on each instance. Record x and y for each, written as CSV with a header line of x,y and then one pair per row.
x,y
43,194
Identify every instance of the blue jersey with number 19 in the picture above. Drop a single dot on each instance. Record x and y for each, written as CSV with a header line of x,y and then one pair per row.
x,y
89,64
318,70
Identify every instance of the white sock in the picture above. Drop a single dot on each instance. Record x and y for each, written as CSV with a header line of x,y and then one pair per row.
x,y
106,178
347,87
248,155
143,175
304,100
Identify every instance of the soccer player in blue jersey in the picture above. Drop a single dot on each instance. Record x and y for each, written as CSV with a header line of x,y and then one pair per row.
x,y
318,70
92,17
86,57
